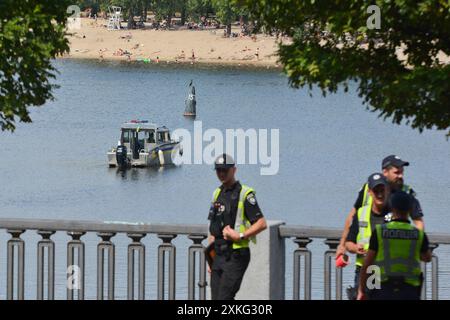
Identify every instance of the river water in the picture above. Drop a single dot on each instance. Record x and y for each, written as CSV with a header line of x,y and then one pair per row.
x,y
56,167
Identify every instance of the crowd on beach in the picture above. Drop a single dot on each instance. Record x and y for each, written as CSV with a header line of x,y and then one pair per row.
x,y
134,51
179,58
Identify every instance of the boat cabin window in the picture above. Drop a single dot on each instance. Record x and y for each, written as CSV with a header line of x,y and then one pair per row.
x,y
150,136
140,137
163,136
126,136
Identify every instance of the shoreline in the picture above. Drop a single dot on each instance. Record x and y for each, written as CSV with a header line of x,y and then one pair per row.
x,y
169,63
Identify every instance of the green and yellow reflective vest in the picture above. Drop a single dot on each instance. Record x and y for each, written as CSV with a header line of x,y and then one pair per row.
x,y
398,255
367,198
242,223
365,231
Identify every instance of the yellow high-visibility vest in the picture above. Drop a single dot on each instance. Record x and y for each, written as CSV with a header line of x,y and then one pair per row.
x,y
367,198
398,255
242,223
365,231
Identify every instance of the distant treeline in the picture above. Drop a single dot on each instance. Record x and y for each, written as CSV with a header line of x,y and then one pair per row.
x,y
223,11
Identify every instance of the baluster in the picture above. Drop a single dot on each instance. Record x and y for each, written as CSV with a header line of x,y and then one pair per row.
x,y
46,242
15,241
169,248
105,246
75,272
434,275
196,249
328,263
136,246
300,252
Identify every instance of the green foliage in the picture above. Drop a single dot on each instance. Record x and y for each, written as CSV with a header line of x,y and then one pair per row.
x,y
197,8
31,34
332,45
226,11
165,9
85,4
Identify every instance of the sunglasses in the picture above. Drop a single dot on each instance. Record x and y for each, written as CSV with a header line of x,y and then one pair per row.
x,y
223,170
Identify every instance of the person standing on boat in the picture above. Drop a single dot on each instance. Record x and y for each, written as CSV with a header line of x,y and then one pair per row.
x,y
235,219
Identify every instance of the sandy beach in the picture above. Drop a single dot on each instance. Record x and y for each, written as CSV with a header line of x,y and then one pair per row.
x,y
94,41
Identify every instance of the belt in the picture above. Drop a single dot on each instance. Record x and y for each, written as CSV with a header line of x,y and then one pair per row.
x,y
223,248
226,249
241,250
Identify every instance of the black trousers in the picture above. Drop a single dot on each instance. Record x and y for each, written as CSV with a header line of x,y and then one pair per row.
x,y
357,276
227,273
396,290
352,292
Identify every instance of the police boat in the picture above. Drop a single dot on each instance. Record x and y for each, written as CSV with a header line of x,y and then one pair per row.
x,y
143,144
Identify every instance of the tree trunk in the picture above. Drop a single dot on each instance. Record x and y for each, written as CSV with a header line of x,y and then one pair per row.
x,y
183,14
228,29
145,10
130,18
140,9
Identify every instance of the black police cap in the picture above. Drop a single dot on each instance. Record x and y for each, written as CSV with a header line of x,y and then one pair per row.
x,y
224,161
393,160
376,179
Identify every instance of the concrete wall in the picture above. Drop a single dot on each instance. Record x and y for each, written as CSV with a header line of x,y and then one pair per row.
x,y
264,278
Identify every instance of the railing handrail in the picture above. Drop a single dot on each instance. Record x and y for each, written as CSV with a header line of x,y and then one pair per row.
x,y
285,231
102,226
299,231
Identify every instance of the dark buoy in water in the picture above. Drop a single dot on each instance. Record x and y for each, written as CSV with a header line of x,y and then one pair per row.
x,y
191,102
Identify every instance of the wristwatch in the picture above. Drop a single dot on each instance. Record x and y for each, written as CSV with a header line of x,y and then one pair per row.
x,y
241,236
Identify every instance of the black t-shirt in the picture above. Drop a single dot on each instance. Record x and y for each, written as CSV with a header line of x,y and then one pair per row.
x,y
354,228
373,244
416,212
226,213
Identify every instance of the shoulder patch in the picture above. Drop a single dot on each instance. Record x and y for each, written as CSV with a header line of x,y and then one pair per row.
x,y
251,198
388,217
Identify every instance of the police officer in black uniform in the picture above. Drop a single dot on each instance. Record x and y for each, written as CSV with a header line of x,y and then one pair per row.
x,y
231,245
393,170
399,248
355,242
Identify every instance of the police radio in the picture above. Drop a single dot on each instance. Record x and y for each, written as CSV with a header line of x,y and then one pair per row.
x,y
219,208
